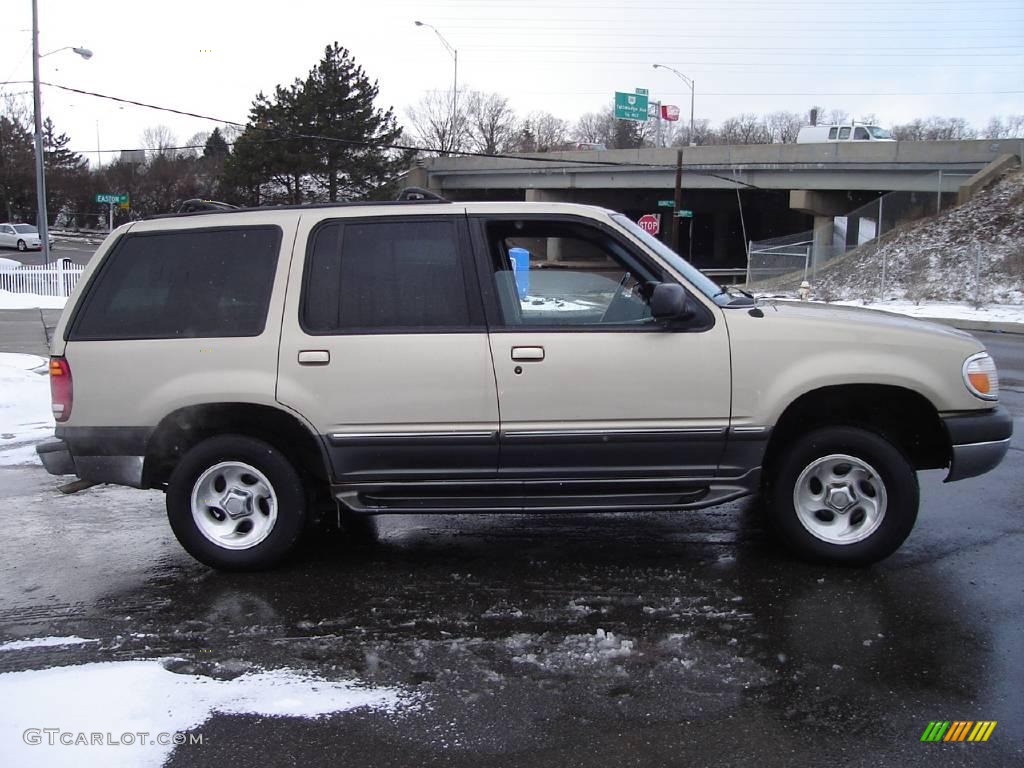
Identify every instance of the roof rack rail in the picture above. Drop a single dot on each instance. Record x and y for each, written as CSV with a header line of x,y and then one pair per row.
x,y
419,193
196,204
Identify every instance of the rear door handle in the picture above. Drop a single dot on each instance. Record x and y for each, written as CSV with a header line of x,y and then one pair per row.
x,y
528,354
314,357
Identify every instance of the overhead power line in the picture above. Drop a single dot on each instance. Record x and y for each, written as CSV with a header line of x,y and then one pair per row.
x,y
285,135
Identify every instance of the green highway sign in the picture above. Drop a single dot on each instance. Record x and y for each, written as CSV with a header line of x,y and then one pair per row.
x,y
631,106
684,214
642,92
666,203
112,199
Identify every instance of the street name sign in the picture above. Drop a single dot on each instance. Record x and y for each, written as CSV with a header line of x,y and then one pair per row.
x,y
112,199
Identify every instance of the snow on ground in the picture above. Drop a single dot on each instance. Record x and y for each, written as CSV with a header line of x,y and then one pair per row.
x,y
9,300
1004,313
118,700
44,642
25,415
1008,314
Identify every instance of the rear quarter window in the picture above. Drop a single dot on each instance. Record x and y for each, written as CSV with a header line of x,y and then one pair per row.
x,y
184,284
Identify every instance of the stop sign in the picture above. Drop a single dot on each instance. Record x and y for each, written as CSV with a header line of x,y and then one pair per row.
x,y
650,223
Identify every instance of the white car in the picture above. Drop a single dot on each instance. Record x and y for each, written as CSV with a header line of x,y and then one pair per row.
x,y
24,237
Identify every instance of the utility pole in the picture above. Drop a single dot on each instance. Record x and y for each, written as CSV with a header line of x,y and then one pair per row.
x,y
37,108
678,204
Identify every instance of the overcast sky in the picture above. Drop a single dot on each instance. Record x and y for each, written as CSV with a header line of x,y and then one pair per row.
x,y
898,59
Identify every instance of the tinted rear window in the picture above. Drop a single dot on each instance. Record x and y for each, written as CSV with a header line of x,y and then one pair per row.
x,y
187,284
388,275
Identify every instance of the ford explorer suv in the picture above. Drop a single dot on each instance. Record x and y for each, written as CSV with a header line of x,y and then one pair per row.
x,y
262,365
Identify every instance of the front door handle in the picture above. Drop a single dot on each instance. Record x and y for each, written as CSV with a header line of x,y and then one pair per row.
x,y
528,354
314,357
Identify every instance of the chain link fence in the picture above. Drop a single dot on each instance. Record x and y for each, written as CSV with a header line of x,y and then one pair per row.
x,y
870,254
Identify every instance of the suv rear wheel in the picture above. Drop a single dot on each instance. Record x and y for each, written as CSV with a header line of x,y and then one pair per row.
x,y
843,495
236,503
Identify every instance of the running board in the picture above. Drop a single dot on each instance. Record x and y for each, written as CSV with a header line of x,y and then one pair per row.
x,y
658,494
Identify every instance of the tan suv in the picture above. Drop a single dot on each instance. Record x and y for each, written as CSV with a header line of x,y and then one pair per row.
x,y
468,357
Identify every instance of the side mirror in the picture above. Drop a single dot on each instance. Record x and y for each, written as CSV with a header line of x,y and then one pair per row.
x,y
671,302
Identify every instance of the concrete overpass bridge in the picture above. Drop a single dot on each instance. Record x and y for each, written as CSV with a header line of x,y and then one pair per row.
x,y
784,188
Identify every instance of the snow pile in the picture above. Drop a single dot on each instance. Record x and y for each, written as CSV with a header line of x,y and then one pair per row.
x,y
9,300
25,415
935,258
44,642
998,313
123,699
573,652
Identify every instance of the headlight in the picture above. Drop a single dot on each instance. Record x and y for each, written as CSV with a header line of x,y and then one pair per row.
x,y
980,376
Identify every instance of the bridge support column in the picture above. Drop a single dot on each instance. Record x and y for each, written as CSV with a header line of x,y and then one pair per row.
x,y
720,245
852,231
824,230
545,196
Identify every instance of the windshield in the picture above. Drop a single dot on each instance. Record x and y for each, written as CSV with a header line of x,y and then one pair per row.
x,y
879,133
25,229
694,276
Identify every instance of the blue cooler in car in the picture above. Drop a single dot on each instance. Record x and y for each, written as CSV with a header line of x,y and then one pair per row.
x,y
521,265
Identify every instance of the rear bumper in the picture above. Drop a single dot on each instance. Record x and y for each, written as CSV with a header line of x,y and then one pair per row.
x,y
978,441
56,457
60,458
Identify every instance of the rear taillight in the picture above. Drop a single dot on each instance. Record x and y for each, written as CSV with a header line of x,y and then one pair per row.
x,y
61,388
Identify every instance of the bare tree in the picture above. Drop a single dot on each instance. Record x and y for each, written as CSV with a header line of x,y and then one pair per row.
x,y
494,127
595,128
549,132
783,126
1010,128
838,116
746,128
433,125
912,131
160,139
948,129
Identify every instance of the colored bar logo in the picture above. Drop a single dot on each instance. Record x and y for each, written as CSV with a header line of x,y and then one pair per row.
x,y
958,730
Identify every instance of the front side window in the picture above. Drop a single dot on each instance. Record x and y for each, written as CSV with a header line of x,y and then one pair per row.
x,y
184,284
385,275
551,273
879,133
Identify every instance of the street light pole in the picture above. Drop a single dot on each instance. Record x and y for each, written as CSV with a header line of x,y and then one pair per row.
x,y
37,109
455,76
692,87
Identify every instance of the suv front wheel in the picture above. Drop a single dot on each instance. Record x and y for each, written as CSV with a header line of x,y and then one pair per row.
x,y
236,503
842,495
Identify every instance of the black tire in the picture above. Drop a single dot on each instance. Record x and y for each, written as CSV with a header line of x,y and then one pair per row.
x,y
22,246
895,471
283,479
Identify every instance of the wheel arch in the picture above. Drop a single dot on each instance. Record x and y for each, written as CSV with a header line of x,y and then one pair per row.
x,y
903,416
185,427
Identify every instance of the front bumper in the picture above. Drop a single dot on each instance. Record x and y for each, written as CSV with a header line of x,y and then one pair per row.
x,y
978,441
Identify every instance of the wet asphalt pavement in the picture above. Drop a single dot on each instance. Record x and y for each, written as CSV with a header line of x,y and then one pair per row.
x,y
560,640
